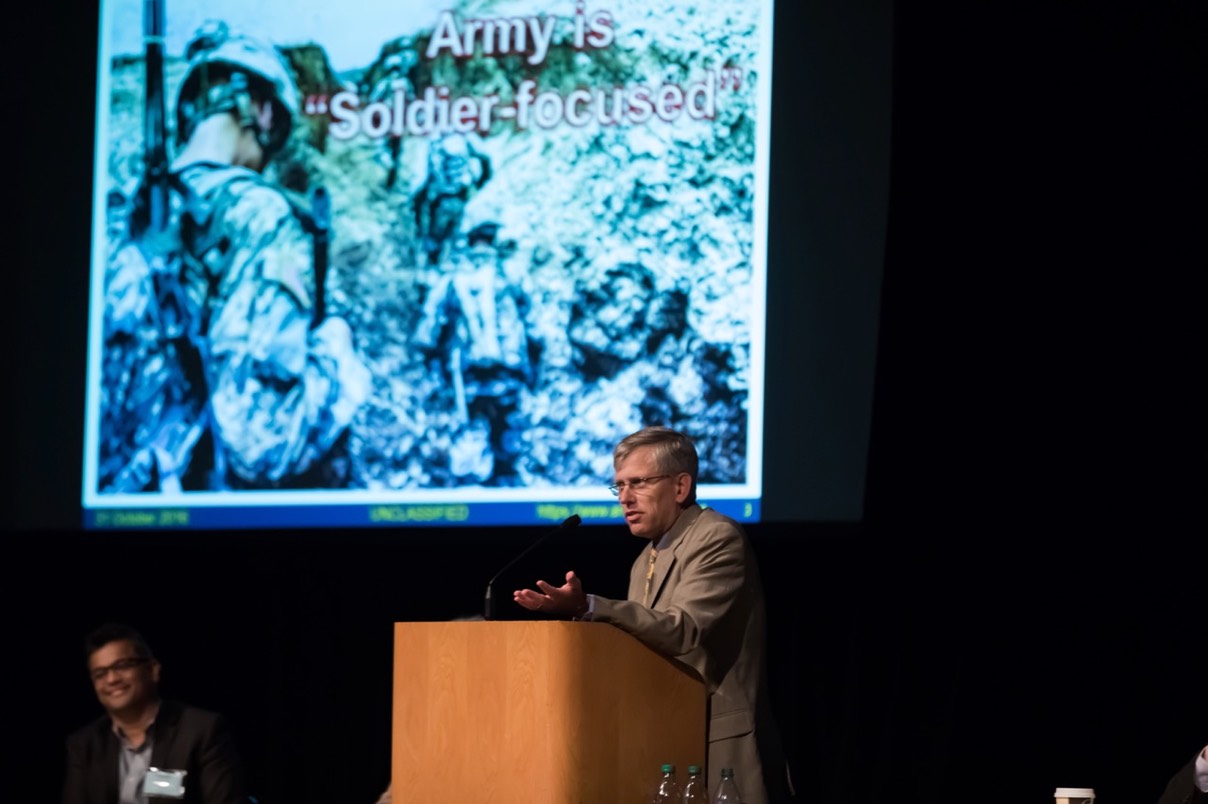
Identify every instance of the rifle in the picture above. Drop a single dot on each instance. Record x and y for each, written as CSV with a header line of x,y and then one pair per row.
x,y
395,144
153,195
320,209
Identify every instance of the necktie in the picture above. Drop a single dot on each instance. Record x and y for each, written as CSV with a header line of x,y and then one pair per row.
x,y
654,554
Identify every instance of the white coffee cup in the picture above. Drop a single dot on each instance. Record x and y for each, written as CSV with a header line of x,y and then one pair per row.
x,y
1074,795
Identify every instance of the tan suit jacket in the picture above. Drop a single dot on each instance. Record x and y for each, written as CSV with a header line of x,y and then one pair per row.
x,y
707,611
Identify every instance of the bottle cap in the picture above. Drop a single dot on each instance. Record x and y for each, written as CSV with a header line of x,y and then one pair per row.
x,y
694,769
727,773
668,768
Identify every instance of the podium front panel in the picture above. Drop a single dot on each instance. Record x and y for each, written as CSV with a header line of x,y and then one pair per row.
x,y
537,713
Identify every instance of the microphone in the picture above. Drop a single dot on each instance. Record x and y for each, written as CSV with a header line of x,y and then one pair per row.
x,y
489,607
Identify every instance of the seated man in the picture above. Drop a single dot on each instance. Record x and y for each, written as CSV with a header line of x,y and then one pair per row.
x,y
108,761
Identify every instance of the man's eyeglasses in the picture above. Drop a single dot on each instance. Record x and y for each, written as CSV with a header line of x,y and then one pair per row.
x,y
637,484
121,667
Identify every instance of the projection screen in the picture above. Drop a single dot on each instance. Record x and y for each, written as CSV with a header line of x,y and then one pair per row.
x,y
422,263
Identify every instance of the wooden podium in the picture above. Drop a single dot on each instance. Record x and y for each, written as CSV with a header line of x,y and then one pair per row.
x,y
537,713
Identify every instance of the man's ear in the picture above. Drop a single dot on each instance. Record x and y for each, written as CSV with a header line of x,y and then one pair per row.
x,y
683,487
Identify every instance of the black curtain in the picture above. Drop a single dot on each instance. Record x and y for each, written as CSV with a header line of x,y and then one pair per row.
x,y
1022,607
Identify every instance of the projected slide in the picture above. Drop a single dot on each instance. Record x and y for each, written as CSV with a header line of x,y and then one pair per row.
x,y
422,263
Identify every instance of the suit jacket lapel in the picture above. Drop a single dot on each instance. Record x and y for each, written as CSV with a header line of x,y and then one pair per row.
x,y
662,569
164,737
668,554
105,771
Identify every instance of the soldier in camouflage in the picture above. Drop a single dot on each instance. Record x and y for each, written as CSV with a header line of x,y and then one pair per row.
x,y
218,372
456,170
477,331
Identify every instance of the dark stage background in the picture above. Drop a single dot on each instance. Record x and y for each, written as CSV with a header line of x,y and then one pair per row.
x,y
1023,604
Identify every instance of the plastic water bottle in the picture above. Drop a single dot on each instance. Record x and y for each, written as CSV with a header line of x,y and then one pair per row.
x,y
668,790
727,790
695,791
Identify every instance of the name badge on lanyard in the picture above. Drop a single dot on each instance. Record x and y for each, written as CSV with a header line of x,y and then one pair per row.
x,y
164,783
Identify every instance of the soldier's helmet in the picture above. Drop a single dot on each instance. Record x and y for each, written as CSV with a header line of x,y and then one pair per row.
x,y
226,72
484,233
450,155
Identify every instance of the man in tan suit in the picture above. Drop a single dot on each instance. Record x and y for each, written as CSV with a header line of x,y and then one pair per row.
x,y
694,595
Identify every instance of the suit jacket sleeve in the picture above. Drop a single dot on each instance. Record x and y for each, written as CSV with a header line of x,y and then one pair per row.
x,y
89,756
702,586
201,743
221,769
74,787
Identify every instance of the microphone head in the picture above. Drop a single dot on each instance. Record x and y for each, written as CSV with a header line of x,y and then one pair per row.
x,y
571,521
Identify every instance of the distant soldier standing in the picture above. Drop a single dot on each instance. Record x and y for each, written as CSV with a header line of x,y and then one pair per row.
x,y
477,329
456,170
220,370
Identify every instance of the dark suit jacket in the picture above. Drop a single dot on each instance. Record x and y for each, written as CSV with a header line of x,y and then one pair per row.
x,y
1182,789
185,738
707,611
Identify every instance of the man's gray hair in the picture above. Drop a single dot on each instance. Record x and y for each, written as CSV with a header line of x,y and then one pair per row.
x,y
673,452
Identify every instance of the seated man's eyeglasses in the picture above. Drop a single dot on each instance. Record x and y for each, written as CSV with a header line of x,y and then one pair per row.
x,y
637,484
121,667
